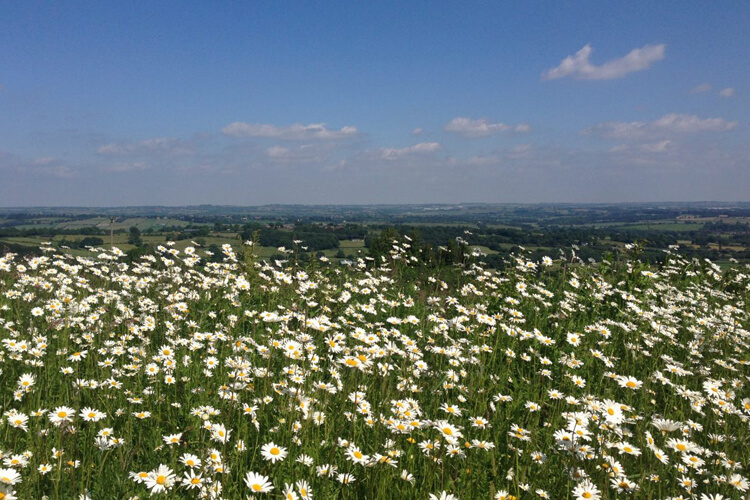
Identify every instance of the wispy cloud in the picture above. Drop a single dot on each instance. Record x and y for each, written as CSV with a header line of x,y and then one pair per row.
x,y
296,132
133,166
649,147
727,92
482,127
670,124
417,149
307,153
162,146
580,67
46,166
703,87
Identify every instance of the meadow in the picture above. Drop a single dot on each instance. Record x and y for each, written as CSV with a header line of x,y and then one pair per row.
x,y
178,376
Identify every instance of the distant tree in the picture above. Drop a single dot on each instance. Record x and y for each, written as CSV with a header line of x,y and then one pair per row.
x,y
91,241
134,238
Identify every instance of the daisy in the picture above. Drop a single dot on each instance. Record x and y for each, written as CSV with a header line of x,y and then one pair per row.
x,y
7,493
613,412
26,381
450,432
191,480
355,455
160,480
479,422
61,415
257,483
629,382
682,446
345,478
304,489
172,439
92,415
586,490
9,477
220,433
738,482
19,421
628,448
693,461
289,493
623,485
444,495
273,452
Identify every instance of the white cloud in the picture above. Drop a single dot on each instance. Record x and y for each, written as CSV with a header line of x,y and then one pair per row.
x,y
128,166
418,149
417,131
296,132
53,167
578,66
304,154
482,127
163,146
656,147
703,87
44,161
727,92
521,150
648,147
666,125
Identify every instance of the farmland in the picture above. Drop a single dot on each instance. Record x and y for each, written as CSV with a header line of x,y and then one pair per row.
x,y
719,232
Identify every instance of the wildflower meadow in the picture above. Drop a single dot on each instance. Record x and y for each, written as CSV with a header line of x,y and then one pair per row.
x,y
183,376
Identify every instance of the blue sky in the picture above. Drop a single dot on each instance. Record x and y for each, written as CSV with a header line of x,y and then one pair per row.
x,y
143,103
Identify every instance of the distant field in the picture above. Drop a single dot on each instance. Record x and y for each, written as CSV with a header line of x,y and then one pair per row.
x,y
661,225
345,244
665,226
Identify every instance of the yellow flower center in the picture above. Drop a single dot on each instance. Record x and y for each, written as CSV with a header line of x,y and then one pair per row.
x,y
257,487
161,479
275,451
